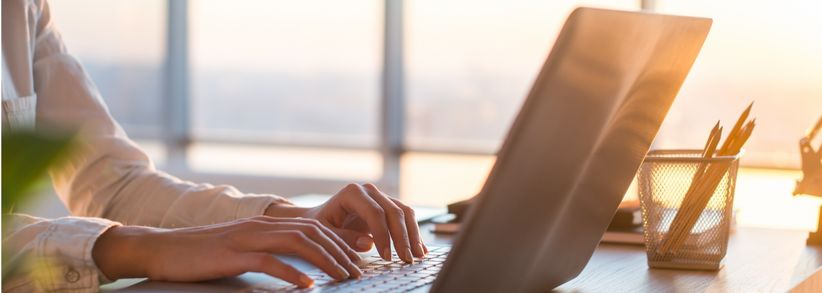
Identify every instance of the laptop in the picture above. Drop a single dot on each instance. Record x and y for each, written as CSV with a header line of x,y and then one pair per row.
x,y
563,169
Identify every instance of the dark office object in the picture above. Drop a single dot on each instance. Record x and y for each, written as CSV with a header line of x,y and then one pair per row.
x,y
460,208
811,183
628,216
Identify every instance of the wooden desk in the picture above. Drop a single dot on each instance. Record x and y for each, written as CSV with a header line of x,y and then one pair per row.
x,y
758,260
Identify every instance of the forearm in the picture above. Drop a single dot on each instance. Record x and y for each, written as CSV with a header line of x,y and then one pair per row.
x,y
164,200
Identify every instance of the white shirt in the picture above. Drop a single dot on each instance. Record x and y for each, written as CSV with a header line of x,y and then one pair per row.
x,y
109,181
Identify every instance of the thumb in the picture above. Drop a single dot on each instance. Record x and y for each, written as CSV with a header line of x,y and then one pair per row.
x,y
360,241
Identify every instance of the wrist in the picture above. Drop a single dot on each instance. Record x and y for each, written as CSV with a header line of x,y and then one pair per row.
x,y
123,252
285,211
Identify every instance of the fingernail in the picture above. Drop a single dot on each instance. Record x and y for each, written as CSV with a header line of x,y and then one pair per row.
x,y
364,243
358,272
409,256
386,254
305,281
422,249
343,273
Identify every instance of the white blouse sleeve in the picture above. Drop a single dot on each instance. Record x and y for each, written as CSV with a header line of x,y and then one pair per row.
x,y
51,255
111,177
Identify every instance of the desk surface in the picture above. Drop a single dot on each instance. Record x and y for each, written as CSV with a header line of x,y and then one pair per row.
x,y
758,260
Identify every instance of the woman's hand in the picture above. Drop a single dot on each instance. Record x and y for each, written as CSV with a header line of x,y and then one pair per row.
x,y
363,216
223,250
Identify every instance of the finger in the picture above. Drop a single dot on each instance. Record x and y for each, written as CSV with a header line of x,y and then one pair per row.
x,y
270,265
324,228
395,217
317,255
358,240
352,255
313,229
298,243
414,238
355,200
293,237
315,233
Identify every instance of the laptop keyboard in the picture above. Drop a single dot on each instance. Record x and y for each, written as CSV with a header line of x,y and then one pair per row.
x,y
378,275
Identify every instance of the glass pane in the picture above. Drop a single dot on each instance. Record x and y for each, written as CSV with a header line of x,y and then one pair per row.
x,y
303,72
763,51
121,45
155,149
471,63
439,179
326,163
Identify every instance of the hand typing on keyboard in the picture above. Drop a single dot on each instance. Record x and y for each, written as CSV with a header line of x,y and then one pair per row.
x,y
378,276
363,215
326,236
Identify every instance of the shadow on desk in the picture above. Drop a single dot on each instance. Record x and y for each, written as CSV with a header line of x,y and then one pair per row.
x,y
235,284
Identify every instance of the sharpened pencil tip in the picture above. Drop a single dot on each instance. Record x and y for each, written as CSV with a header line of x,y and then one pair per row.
x,y
748,109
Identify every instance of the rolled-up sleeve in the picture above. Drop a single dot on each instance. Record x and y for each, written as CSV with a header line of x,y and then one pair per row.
x,y
51,255
110,176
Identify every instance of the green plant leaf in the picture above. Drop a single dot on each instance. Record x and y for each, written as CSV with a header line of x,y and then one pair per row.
x,y
27,156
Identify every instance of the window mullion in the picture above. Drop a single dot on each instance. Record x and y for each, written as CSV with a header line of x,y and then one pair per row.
x,y
176,102
392,110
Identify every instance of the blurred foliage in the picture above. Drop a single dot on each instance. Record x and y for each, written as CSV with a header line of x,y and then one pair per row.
x,y
27,156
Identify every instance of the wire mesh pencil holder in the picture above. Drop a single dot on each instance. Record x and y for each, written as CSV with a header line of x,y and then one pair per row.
x,y
665,178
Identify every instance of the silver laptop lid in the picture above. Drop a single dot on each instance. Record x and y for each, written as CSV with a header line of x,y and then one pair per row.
x,y
573,150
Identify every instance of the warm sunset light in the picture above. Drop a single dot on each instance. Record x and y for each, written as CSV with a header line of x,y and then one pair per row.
x,y
412,145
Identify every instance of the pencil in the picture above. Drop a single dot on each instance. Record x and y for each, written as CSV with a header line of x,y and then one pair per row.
x,y
706,188
735,130
703,193
710,148
704,185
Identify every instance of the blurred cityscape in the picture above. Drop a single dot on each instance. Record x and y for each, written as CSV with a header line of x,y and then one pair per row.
x,y
473,115
265,105
289,72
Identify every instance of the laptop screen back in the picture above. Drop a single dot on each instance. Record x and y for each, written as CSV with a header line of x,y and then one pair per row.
x,y
573,150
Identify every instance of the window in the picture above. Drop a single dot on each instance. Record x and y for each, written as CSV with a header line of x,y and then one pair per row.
x,y
470,69
122,49
468,72
288,72
763,51
284,90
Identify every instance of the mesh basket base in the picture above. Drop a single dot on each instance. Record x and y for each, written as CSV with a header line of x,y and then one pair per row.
x,y
685,266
